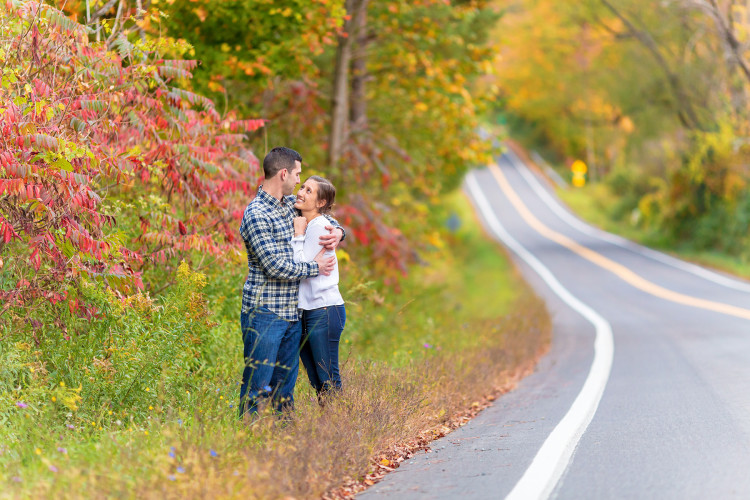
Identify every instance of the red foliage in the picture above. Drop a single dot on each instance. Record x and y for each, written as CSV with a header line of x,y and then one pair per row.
x,y
83,127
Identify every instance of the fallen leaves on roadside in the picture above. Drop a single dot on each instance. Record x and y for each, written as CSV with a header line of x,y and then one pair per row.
x,y
390,459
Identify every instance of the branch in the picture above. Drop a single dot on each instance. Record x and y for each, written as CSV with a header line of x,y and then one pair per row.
x,y
729,37
100,13
685,111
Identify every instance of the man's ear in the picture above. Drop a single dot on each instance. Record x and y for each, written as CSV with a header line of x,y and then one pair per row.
x,y
283,173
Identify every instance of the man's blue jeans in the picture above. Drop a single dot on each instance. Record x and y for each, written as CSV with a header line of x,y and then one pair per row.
x,y
271,353
320,349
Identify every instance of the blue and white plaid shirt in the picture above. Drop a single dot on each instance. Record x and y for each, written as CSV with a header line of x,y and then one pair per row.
x,y
273,277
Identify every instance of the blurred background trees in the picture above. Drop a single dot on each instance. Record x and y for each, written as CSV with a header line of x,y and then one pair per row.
x,y
652,95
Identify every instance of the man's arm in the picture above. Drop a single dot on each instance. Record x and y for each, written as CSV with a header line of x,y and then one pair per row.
x,y
258,232
336,235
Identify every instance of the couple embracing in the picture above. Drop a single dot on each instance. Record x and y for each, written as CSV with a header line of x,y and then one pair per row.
x,y
291,305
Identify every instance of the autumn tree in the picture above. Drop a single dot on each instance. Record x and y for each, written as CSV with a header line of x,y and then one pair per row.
x,y
109,167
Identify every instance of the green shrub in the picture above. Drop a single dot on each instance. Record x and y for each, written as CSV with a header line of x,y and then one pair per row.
x,y
121,369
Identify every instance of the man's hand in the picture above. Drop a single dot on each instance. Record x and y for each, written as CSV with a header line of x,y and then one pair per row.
x,y
331,240
300,224
325,264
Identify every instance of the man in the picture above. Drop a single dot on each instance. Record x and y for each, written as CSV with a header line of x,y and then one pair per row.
x,y
271,331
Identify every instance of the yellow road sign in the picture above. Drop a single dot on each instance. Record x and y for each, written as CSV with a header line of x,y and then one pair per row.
x,y
579,167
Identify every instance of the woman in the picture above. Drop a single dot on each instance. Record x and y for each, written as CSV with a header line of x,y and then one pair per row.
x,y
323,312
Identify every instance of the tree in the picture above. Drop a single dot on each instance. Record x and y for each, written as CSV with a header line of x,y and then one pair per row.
x,y
108,167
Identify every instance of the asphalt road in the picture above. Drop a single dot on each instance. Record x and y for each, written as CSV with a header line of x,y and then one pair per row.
x,y
645,392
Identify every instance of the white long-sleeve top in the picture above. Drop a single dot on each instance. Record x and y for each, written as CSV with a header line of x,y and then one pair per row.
x,y
319,291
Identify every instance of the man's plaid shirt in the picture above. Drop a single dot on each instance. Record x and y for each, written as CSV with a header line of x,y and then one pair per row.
x,y
273,277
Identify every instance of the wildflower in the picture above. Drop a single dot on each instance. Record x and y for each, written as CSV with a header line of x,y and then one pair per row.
x,y
150,407
427,346
53,468
179,421
16,479
213,453
171,477
21,404
62,450
268,388
62,384
231,405
147,389
70,426
181,470
38,451
171,454
54,399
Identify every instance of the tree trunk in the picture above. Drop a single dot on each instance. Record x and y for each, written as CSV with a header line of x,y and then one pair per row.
x,y
358,115
339,133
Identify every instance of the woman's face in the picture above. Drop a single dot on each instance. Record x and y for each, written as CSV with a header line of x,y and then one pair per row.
x,y
307,197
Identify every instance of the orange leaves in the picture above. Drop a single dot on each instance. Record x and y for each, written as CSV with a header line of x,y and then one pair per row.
x,y
245,125
13,187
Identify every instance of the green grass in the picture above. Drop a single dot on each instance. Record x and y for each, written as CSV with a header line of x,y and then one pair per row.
x,y
464,279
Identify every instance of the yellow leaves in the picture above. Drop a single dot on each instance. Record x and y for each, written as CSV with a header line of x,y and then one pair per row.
x,y
24,346
68,397
215,87
287,12
201,13
343,256
626,124
435,240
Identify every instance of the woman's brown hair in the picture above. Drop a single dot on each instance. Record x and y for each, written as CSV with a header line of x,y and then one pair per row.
x,y
326,193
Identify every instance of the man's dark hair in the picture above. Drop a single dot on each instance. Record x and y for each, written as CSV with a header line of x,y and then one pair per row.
x,y
279,158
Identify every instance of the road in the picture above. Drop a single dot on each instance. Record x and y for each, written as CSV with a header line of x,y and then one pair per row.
x,y
645,392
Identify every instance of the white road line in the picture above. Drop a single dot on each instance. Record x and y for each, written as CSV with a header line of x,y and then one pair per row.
x,y
576,223
555,455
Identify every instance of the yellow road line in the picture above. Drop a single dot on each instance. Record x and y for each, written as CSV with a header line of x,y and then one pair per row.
x,y
618,269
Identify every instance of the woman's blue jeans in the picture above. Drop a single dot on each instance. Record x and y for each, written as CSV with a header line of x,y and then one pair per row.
x,y
321,333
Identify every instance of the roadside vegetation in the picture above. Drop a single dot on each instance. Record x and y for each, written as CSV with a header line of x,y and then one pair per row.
x,y
131,137
145,404
599,205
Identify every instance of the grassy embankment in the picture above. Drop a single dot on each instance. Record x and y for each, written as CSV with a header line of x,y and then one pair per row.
x,y
464,326
595,203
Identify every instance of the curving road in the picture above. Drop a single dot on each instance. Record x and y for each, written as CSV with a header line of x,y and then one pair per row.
x,y
645,392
